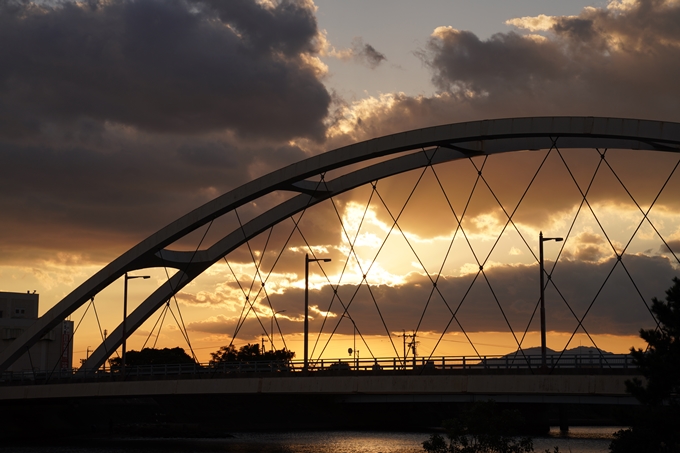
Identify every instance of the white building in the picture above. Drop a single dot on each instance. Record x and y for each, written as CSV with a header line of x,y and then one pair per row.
x,y
54,351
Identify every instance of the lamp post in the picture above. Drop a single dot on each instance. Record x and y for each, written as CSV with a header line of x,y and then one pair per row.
x,y
541,240
305,366
125,293
272,327
354,349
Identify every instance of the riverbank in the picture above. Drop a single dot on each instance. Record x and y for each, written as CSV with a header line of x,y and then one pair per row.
x,y
578,440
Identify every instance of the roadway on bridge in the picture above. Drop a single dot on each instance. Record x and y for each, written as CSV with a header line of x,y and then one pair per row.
x,y
358,388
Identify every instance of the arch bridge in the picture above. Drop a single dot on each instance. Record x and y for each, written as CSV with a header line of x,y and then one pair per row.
x,y
310,182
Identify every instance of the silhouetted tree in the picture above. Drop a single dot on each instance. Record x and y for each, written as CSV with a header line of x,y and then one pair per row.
x,y
484,428
249,353
150,356
655,429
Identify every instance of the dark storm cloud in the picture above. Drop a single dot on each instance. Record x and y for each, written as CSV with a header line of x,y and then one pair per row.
x,y
117,117
461,61
99,199
618,309
289,26
168,66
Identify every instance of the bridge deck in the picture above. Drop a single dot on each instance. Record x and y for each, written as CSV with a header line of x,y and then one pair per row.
x,y
563,388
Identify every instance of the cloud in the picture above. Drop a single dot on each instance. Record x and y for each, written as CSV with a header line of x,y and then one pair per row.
x,y
118,117
367,54
614,307
595,57
672,246
360,52
603,62
163,66
99,194
614,62
535,23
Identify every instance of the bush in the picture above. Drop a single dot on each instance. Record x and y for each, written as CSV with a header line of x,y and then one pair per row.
x,y
484,428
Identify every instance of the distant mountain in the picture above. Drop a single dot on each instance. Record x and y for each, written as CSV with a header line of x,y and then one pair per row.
x,y
579,350
581,356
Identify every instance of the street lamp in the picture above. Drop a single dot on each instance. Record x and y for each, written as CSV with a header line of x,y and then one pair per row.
x,y
125,292
305,366
541,240
354,349
272,327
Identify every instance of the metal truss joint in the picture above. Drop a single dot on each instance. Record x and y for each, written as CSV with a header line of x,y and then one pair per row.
x,y
304,186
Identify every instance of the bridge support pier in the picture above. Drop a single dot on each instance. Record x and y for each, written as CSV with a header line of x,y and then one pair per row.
x,y
564,420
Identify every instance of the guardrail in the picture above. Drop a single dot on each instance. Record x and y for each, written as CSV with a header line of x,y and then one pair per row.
x,y
327,366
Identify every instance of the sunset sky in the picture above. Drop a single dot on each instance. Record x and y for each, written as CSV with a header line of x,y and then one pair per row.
x,y
119,116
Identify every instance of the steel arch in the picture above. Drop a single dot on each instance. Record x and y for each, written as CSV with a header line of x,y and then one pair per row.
x,y
429,146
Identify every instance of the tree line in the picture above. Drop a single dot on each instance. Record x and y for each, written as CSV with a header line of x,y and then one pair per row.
x,y
229,353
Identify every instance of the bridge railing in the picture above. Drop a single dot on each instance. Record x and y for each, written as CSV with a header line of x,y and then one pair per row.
x,y
583,361
589,362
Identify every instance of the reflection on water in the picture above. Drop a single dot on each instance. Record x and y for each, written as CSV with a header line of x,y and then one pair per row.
x,y
578,440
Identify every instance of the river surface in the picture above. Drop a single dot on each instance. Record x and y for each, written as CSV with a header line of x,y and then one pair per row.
x,y
579,440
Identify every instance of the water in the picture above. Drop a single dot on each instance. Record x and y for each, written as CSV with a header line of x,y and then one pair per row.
x,y
579,440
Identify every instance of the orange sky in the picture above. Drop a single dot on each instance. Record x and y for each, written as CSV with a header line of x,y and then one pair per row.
x,y
98,153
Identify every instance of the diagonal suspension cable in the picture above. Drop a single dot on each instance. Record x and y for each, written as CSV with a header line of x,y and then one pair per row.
x,y
182,327
257,265
505,226
434,286
165,313
553,147
365,272
352,243
101,332
559,253
467,240
160,316
335,295
66,346
618,256
453,239
645,214
242,318
480,175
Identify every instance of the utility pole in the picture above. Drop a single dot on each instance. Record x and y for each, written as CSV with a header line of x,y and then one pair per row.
x,y
403,335
411,346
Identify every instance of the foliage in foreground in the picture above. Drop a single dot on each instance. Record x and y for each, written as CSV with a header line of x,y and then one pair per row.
x,y
656,428
484,428
249,353
151,356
